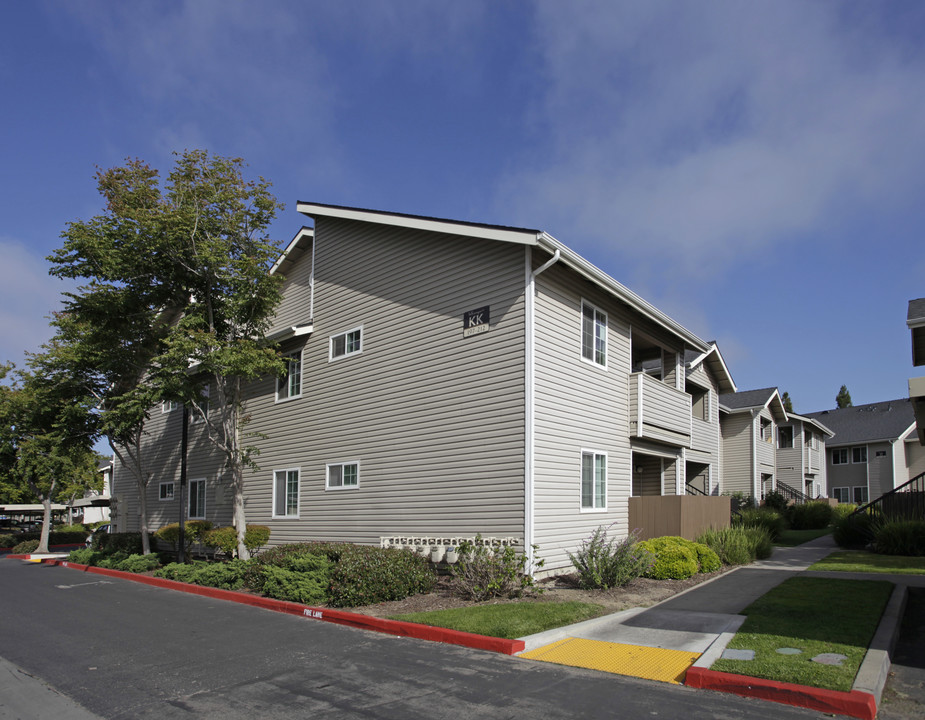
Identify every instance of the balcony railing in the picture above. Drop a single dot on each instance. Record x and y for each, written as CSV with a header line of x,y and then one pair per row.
x,y
658,411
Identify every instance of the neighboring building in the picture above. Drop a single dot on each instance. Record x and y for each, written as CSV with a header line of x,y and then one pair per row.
x,y
915,319
874,449
801,456
749,421
447,379
93,507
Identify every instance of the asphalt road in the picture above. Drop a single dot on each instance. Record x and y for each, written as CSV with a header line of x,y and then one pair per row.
x,y
124,650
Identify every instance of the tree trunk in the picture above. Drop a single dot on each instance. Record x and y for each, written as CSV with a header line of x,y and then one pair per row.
x,y
46,525
240,521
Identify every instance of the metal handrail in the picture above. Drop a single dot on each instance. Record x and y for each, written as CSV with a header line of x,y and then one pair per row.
x,y
904,502
792,493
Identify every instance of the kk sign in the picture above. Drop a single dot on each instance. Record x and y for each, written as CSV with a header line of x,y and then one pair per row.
x,y
476,321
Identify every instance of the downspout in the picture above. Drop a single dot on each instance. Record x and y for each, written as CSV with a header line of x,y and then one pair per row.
x,y
529,389
311,283
756,481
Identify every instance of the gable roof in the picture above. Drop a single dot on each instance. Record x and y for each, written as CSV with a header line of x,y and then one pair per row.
x,y
713,359
882,421
749,400
811,421
521,236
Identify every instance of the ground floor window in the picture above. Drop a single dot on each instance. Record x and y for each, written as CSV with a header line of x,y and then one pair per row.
x,y
341,476
593,480
860,494
286,493
166,491
197,499
841,494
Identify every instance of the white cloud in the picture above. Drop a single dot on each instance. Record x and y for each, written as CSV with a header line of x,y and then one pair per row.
x,y
28,296
692,131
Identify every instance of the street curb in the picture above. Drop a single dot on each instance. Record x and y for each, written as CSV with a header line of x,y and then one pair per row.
x,y
861,702
855,703
339,617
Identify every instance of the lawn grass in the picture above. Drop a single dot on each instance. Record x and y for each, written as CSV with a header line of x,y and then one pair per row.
x,y
861,561
792,538
510,620
814,615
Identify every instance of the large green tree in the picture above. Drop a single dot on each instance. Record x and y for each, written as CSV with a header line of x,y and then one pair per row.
x,y
46,433
178,278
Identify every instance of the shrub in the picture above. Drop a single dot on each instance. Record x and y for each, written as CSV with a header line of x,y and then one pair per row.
x,y
707,558
8,540
484,572
308,586
138,563
85,556
110,543
25,547
900,537
225,539
740,501
112,560
604,564
193,532
770,520
775,500
363,575
854,531
842,510
730,544
810,516
674,558
224,575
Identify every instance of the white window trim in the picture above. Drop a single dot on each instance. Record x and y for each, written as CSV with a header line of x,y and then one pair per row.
x,y
189,499
595,454
287,358
581,330
331,338
327,475
851,455
847,459
169,406
298,498
173,491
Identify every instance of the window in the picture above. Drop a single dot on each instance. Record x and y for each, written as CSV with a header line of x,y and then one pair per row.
x,y
810,439
841,494
860,494
766,431
290,384
593,334
200,412
840,456
342,476
348,343
593,481
286,493
859,454
197,500
165,491
785,437
880,453
169,406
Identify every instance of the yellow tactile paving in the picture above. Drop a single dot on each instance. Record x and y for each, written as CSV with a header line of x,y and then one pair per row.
x,y
633,660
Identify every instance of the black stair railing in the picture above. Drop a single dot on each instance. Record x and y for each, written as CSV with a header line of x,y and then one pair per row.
x,y
692,490
906,502
791,493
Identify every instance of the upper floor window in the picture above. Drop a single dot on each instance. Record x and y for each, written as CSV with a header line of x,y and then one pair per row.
x,y
593,480
289,385
169,406
700,402
593,334
348,343
810,439
341,476
840,456
766,430
200,411
785,437
859,454
165,491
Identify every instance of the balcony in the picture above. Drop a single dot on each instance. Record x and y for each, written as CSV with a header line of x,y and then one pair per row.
x,y
658,411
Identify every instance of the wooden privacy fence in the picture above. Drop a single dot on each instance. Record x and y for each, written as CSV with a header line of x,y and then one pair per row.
x,y
684,515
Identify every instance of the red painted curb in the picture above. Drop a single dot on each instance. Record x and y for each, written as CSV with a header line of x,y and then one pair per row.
x,y
340,617
855,703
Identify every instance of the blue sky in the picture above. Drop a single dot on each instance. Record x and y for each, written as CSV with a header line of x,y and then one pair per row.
x,y
754,169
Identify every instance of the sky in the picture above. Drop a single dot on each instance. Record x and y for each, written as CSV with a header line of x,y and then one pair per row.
x,y
753,169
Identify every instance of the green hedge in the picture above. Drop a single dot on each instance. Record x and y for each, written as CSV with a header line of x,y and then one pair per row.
x,y
738,545
677,558
771,520
810,516
900,537
225,538
55,537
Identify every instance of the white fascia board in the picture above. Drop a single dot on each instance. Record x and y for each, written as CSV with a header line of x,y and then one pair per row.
x,y
621,292
291,332
815,423
486,232
305,233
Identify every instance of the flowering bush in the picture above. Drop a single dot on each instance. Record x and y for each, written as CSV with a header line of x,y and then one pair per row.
x,y
485,572
604,563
